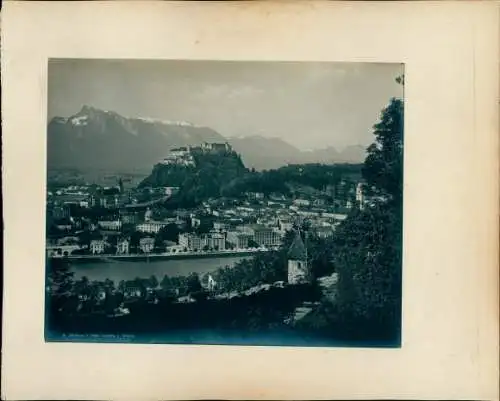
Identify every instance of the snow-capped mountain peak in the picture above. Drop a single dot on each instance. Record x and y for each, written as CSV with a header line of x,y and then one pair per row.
x,y
166,122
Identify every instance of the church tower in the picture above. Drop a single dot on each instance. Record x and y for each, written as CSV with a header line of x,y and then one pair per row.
x,y
298,271
360,197
148,215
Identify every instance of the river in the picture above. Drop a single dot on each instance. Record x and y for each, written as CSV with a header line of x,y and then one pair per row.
x,y
117,270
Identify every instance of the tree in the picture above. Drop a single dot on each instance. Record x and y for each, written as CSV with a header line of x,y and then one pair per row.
x,y
193,283
166,283
368,243
111,246
60,284
153,281
82,287
169,233
252,243
383,167
159,245
84,238
109,285
135,238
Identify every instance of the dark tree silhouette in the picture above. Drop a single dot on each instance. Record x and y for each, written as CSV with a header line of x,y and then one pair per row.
x,y
383,168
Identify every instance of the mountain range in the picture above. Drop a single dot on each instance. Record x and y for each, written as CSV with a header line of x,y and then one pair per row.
x,y
269,153
99,139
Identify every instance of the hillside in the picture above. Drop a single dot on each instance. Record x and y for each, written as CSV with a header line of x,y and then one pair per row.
x,y
97,139
211,172
216,173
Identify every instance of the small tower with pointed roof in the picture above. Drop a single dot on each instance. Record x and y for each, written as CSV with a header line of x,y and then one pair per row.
x,y
148,215
298,271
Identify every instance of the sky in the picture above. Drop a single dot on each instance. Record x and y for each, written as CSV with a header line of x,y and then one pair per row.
x,y
311,105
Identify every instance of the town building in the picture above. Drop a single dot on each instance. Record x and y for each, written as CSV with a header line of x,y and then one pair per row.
x,y
193,242
60,212
179,156
324,231
111,225
123,247
130,217
238,239
216,241
132,291
211,284
220,226
190,241
151,227
97,246
360,198
285,224
263,236
169,191
218,147
339,216
302,202
147,244
255,195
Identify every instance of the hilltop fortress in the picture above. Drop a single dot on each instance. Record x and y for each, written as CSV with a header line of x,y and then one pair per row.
x,y
183,156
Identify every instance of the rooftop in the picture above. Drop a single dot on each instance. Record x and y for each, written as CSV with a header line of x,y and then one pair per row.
x,y
297,250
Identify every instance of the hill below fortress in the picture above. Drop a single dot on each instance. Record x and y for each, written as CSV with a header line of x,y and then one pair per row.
x,y
216,170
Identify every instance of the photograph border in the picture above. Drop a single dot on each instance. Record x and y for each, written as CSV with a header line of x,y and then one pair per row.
x,y
450,320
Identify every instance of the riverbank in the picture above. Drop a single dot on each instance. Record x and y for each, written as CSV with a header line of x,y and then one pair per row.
x,y
162,256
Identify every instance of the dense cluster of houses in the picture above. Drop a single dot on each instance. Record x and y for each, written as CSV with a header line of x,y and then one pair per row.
x,y
256,221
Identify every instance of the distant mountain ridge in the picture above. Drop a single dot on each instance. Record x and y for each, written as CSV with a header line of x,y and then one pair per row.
x,y
95,138
99,139
269,153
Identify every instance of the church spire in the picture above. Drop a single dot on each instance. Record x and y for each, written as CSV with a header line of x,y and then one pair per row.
x,y
297,250
298,269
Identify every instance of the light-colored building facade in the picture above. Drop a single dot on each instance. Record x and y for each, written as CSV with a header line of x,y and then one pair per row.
x,y
238,239
324,231
151,227
265,236
97,246
285,224
215,241
360,197
111,225
123,247
193,242
190,241
302,202
147,244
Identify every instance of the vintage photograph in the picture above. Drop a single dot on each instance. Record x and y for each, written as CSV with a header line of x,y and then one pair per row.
x,y
224,202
